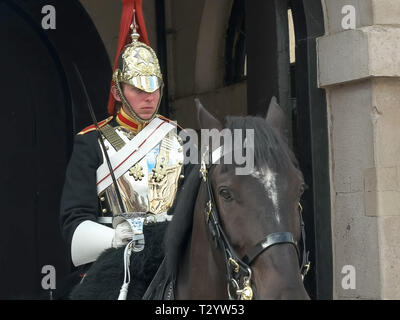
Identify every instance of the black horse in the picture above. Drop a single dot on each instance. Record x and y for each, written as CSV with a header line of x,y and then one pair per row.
x,y
232,236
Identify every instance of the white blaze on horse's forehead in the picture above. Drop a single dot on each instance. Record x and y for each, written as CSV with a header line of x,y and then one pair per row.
x,y
268,179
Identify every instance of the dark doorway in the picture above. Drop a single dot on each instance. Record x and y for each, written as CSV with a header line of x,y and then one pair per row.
x,y
42,109
270,73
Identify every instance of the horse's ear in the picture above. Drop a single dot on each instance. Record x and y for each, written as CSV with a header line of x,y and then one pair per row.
x,y
276,117
205,119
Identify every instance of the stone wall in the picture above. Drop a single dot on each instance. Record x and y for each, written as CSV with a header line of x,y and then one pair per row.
x,y
360,70
196,33
106,16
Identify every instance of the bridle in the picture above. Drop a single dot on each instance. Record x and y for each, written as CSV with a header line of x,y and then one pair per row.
x,y
238,270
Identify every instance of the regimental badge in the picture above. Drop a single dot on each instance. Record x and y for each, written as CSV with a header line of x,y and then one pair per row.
x,y
159,173
137,172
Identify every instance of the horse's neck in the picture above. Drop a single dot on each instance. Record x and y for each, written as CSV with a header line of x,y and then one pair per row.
x,y
201,275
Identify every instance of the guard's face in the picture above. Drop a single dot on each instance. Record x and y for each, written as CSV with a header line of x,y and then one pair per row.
x,y
143,103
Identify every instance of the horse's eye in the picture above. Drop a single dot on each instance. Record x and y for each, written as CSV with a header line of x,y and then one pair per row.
x,y
303,188
225,194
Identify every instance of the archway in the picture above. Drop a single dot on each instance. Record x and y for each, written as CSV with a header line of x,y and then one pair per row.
x,y
42,110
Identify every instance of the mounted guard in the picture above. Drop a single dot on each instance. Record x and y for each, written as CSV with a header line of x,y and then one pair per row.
x,y
124,171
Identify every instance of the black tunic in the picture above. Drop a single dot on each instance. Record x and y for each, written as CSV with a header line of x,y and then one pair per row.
x,y
79,200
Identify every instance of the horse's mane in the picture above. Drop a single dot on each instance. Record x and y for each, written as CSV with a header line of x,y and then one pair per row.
x,y
180,228
269,149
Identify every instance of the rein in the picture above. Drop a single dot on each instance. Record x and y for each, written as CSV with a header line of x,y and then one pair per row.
x,y
238,270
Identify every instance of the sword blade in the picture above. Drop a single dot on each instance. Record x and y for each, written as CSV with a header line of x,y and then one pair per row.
x,y
92,114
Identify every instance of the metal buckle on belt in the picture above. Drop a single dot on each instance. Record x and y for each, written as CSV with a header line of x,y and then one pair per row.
x,y
149,218
105,220
137,242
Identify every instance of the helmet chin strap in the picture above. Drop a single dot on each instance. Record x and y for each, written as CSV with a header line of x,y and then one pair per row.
x,y
129,108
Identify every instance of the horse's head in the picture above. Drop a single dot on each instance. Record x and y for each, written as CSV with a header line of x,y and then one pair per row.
x,y
259,209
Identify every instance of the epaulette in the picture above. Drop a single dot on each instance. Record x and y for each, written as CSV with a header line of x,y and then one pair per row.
x,y
92,127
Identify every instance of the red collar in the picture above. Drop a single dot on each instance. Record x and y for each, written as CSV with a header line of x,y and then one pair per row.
x,y
126,121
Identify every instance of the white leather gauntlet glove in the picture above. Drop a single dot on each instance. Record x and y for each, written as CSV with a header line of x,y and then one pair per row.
x,y
123,234
89,240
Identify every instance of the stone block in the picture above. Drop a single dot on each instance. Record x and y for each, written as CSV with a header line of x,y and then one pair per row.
x,y
352,135
367,13
384,50
382,203
354,55
342,57
386,12
334,15
389,231
390,272
381,179
386,121
357,244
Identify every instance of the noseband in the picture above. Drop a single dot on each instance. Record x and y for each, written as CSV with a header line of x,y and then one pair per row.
x,y
238,270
